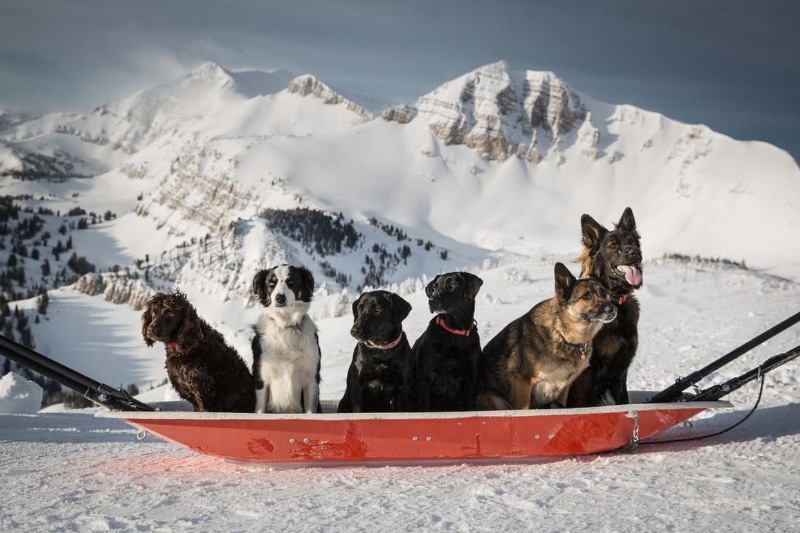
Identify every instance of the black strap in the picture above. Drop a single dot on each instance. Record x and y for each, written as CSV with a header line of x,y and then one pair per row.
x,y
701,437
673,392
113,398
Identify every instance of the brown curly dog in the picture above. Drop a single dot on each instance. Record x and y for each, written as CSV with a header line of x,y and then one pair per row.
x,y
202,368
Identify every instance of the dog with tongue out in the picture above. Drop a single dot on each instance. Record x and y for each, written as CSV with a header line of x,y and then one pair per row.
x,y
605,381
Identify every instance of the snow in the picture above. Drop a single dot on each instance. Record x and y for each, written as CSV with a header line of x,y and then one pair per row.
x,y
67,470
693,192
19,395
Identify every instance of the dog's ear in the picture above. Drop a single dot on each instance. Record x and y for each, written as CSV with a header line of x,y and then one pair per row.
x,y
147,317
472,284
626,221
430,286
191,332
307,284
591,232
400,307
565,282
599,267
259,286
355,307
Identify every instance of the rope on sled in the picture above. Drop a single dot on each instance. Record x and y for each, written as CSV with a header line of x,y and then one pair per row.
x,y
701,437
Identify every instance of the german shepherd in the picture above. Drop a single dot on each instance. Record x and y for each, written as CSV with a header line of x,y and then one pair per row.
x,y
534,359
605,381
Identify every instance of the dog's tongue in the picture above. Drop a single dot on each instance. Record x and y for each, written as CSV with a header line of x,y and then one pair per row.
x,y
632,274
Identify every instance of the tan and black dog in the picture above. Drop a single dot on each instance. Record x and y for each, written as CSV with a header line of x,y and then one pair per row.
x,y
534,359
605,381
446,354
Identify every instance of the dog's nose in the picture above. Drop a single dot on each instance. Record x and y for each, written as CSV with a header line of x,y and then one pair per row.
x,y
280,298
633,253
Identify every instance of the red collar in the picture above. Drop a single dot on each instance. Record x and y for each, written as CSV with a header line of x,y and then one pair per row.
x,y
622,299
464,332
173,345
386,346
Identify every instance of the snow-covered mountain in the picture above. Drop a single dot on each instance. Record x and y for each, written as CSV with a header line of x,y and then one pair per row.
x,y
204,179
496,159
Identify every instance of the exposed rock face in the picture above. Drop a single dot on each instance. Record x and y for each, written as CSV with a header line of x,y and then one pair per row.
x,y
200,188
499,113
115,289
550,104
588,138
308,85
402,113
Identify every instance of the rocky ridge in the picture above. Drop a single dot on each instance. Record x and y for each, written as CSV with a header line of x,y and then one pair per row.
x,y
503,113
309,85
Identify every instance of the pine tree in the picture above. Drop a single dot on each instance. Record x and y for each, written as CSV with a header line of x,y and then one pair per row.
x,y
42,302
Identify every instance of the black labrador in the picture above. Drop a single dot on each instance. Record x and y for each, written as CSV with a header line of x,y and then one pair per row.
x,y
380,376
446,355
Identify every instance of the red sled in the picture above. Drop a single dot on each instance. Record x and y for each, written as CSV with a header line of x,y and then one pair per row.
x,y
413,438
429,438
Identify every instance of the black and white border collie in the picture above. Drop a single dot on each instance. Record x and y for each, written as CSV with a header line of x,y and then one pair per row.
x,y
286,354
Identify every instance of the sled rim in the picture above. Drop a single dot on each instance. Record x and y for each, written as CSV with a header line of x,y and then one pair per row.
x,y
166,414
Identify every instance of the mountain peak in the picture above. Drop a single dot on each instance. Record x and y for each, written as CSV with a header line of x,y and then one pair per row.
x,y
497,66
500,112
209,71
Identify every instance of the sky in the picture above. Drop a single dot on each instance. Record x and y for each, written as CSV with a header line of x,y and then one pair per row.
x,y
731,65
